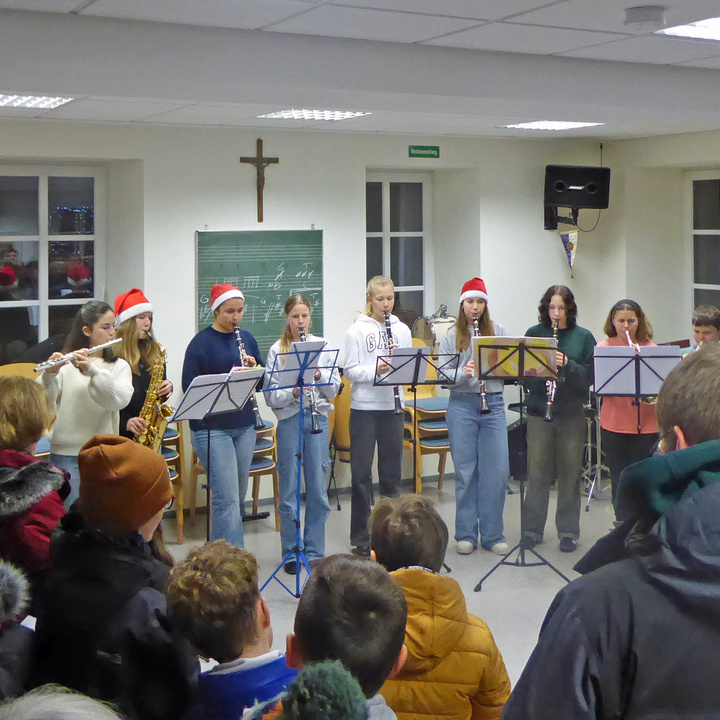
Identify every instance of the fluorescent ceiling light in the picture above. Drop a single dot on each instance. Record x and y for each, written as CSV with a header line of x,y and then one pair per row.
x,y
551,125
314,115
701,30
32,101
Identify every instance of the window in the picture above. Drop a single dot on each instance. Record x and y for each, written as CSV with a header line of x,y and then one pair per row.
x,y
50,249
397,237
706,242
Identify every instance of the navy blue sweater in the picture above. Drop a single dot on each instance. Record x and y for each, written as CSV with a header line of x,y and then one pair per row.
x,y
212,352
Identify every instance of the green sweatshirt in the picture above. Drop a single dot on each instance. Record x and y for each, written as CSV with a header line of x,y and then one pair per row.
x,y
576,377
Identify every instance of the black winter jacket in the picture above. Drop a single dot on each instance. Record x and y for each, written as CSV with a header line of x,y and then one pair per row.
x,y
102,627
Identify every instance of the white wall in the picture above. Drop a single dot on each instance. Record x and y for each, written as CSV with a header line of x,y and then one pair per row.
x,y
166,183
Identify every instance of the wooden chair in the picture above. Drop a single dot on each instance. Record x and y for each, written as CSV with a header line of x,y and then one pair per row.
x,y
340,433
173,452
423,391
23,369
427,423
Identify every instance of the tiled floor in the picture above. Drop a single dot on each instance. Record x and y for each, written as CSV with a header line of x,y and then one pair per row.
x,y
513,600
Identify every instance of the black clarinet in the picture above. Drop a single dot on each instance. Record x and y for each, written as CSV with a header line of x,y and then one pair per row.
x,y
396,390
484,407
315,429
259,424
551,385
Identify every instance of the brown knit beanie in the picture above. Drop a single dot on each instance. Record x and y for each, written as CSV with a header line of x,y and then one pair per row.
x,y
122,484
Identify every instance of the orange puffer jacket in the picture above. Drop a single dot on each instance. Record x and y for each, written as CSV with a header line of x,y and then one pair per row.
x,y
454,670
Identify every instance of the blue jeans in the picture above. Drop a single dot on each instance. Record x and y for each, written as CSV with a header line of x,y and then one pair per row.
x,y
69,463
316,461
231,453
479,448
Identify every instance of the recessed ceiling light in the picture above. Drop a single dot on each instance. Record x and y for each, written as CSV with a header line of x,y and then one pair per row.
x,y
551,125
701,30
32,101
314,115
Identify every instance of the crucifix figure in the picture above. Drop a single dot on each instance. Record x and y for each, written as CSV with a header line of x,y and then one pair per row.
x,y
260,164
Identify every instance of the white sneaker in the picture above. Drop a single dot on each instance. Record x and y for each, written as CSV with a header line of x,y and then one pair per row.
x,y
464,547
500,548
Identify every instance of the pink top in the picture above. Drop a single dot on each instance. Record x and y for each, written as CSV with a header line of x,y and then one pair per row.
x,y
618,414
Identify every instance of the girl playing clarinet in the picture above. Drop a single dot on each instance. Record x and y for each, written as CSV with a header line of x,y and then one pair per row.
x,y
134,318
285,404
373,416
556,449
623,443
88,390
230,435
478,441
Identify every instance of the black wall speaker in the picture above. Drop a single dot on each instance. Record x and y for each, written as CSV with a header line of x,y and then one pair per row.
x,y
577,186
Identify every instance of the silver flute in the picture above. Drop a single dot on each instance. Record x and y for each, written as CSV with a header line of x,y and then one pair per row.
x,y
259,424
551,385
484,407
70,357
396,390
315,429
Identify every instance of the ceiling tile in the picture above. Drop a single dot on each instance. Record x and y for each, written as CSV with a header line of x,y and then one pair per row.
x,y
247,15
346,22
57,6
486,10
649,49
609,15
513,37
109,109
712,63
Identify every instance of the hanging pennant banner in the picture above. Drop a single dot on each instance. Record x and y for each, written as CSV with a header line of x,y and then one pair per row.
x,y
569,241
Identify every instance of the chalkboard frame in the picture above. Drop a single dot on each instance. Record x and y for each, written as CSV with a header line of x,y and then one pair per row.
x,y
267,266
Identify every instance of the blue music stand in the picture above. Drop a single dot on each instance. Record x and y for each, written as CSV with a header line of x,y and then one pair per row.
x,y
292,369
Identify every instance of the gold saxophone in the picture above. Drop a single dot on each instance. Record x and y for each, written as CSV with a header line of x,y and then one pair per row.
x,y
154,412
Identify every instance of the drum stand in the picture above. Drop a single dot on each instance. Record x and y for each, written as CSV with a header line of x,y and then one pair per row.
x,y
593,469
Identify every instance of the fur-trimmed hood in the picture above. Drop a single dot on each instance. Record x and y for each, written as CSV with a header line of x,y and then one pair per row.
x,y
24,481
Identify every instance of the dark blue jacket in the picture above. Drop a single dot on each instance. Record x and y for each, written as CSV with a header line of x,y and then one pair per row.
x,y
213,352
224,695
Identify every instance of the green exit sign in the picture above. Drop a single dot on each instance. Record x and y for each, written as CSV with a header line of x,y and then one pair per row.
x,y
424,151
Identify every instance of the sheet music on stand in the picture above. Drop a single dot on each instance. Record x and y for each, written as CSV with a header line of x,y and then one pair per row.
x,y
303,357
621,371
209,395
512,358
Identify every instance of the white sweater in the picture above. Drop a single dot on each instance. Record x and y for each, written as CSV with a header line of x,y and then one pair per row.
x,y
365,341
87,404
282,402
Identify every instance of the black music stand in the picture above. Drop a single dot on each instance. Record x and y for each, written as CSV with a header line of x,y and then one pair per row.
x,y
292,369
624,371
516,358
210,395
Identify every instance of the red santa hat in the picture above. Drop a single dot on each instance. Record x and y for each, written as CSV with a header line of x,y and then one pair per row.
x,y
79,275
220,293
472,289
130,304
7,276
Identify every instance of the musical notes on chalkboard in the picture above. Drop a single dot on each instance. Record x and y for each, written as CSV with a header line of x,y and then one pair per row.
x,y
268,266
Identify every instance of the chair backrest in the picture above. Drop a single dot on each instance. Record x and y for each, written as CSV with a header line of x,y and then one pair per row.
x,y
342,420
23,369
423,391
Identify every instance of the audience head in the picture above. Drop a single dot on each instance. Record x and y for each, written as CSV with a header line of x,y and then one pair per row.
x,y
565,294
408,531
324,691
353,611
52,702
706,324
627,314
688,408
124,486
26,412
214,599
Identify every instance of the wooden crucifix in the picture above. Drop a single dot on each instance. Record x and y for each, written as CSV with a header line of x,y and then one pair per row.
x,y
260,164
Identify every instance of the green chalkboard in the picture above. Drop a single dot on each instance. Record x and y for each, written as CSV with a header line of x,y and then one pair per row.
x,y
268,266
